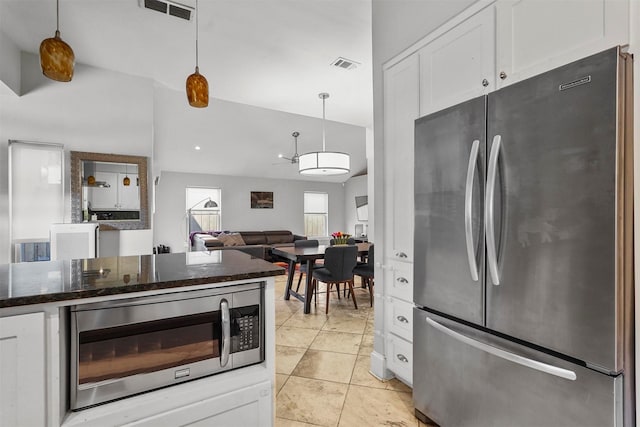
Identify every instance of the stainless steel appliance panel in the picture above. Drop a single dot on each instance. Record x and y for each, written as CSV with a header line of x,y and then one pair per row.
x,y
449,192
470,378
552,151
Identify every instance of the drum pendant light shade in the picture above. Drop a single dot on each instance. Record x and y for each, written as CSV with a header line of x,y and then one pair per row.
x,y
197,90
56,57
197,85
324,162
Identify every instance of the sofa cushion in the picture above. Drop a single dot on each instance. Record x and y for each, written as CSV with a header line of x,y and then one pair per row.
x,y
232,239
209,241
253,237
279,236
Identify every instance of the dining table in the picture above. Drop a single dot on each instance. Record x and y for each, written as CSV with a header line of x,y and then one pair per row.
x,y
308,255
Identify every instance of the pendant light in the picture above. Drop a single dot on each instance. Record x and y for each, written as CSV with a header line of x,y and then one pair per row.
x,y
126,181
56,57
323,162
197,85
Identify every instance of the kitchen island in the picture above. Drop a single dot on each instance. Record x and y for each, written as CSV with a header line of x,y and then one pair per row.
x,y
36,302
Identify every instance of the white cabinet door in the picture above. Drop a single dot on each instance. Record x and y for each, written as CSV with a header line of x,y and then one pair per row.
x,y
401,109
250,406
399,354
460,64
535,36
22,370
103,197
128,194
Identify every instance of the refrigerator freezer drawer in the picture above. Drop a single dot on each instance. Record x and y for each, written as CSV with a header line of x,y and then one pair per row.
x,y
399,354
399,318
466,377
400,281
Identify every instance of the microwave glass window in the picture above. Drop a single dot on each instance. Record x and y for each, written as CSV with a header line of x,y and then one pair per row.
x,y
117,352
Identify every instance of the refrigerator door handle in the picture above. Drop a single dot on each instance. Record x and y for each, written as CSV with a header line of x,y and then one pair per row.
x,y
468,206
529,363
492,257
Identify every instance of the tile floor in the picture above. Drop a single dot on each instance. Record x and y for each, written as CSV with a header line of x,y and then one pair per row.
x,y
322,367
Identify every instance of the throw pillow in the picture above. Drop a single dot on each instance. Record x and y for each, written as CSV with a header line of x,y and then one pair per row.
x,y
232,239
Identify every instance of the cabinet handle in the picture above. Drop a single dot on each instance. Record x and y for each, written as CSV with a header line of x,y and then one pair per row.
x,y
401,255
402,358
402,280
485,82
402,319
503,75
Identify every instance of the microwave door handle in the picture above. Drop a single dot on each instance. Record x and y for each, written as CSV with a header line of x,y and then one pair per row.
x,y
226,333
512,357
468,208
492,257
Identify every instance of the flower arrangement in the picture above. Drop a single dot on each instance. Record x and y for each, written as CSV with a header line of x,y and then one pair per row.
x,y
340,238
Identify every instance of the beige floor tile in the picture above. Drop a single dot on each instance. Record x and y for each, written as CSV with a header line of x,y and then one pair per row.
x,y
397,385
326,365
369,328
282,422
350,324
362,377
339,342
311,401
366,346
365,406
295,337
280,380
282,316
314,320
287,358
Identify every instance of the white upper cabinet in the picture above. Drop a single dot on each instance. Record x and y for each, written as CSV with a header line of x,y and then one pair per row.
x,y
460,64
537,35
104,197
128,195
401,109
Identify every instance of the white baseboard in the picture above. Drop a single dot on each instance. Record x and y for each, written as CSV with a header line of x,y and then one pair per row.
x,y
378,367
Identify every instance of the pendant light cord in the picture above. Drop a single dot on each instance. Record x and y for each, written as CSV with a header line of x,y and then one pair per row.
x,y
324,148
57,15
197,14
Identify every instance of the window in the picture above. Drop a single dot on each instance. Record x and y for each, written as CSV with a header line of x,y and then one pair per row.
x,y
204,208
316,214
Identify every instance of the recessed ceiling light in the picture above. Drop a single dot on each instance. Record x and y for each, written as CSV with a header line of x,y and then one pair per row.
x,y
197,147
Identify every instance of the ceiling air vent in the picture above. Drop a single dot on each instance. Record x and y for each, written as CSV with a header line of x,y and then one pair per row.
x,y
345,63
168,8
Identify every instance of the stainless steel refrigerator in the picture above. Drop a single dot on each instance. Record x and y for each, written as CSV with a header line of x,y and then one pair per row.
x,y
523,253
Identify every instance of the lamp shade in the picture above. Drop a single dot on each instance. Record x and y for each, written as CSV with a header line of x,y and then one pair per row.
x,y
197,90
57,59
324,163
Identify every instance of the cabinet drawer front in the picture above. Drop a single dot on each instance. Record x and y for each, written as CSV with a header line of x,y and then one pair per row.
x,y
399,318
401,285
399,355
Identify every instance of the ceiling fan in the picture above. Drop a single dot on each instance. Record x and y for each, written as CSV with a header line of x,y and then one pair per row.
x,y
293,159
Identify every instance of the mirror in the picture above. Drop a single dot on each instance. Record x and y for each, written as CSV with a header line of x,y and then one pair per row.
x,y
362,208
111,189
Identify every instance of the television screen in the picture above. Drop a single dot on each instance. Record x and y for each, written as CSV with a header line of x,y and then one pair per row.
x,y
362,208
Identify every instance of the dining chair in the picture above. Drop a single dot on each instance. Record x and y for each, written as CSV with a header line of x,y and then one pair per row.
x,y
365,270
339,262
303,266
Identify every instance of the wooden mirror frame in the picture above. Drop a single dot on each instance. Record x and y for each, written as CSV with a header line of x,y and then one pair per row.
x,y
77,157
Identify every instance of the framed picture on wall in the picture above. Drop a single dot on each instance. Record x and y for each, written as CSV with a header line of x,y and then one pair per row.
x,y
262,200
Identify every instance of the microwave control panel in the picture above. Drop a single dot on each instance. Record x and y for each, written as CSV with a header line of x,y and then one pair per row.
x,y
245,328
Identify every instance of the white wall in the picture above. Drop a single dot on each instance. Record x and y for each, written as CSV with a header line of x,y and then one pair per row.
x,y
356,186
287,213
98,111
9,66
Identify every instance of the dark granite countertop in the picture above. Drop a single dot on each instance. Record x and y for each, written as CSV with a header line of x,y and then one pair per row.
x,y
50,281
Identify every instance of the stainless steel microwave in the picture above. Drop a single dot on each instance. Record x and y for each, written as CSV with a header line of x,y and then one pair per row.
x,y
129,346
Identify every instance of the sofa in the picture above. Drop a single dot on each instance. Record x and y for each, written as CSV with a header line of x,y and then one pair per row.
x,y
255,243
